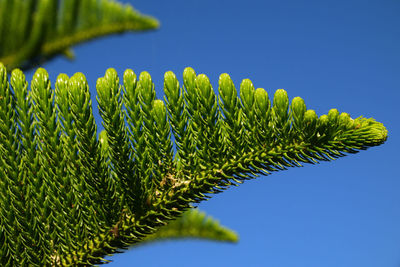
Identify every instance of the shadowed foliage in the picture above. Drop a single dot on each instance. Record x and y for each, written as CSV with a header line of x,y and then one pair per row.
x,y
33,31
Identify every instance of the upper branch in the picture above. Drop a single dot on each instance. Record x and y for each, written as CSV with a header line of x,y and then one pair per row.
x,y
33,31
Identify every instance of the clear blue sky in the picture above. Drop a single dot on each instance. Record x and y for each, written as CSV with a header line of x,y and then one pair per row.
x,y
334,54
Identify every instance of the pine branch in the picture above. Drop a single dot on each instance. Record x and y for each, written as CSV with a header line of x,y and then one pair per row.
x,y
34,31
193,224
74,198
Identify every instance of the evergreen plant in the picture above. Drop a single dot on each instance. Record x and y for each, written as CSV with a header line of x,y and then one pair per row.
x,y
71,197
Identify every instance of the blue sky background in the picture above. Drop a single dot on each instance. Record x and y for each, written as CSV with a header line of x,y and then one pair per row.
x,y
334,54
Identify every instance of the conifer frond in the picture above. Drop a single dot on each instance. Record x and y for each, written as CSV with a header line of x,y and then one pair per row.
x,y
67,198
193,224
33,31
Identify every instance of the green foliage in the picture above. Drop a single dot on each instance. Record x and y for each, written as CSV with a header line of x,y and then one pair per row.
x,y
75,22
70,198
193,224
33,31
